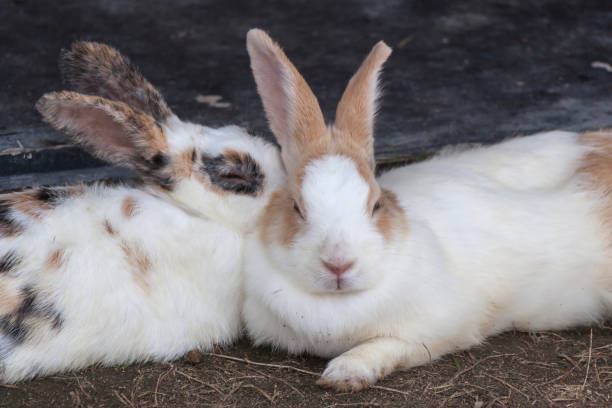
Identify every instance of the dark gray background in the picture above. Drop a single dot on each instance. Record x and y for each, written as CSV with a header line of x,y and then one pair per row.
x,y
461,71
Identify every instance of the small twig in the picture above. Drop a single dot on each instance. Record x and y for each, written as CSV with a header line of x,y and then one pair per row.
x,y
13,387
372,403
512,387
562,376
199,381
589,359
123,399
247,361
262,392
159,380
465,370
279,379
380,387
568,358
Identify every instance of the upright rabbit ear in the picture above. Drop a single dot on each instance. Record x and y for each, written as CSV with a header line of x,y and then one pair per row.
x,y
97,69
291,108
357,108
110,130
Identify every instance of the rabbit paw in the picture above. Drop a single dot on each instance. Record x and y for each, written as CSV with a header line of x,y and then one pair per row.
x,y
345,373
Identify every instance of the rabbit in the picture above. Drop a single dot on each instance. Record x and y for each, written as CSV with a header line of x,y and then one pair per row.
x,y
380,274
105,274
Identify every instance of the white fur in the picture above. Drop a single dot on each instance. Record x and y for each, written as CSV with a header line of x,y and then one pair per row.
x,y
500,237
193,238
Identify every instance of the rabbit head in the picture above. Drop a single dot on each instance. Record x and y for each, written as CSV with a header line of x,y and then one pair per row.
x,y
118,116
327,229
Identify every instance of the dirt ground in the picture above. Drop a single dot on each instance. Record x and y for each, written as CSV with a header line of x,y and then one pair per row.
x,y
558,369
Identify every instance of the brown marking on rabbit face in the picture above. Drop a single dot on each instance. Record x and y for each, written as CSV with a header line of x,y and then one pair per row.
x,y
233,172
140,262
597,165
56,259
108,227
98,69
390,217
183,164
280,220
32,314
129,207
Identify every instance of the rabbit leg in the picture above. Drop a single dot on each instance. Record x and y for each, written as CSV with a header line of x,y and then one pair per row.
x,y
368,362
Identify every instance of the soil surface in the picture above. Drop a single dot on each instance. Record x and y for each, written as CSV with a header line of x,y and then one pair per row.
x,y
557,369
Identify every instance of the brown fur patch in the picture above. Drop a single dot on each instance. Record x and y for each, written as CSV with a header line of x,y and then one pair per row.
x,y
279,220
9,299
597,164
140,263
34,203
97,69
108,227
183,164
56,259
390,218
129,207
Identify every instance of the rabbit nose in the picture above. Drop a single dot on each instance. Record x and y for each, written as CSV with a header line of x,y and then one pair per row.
x,y
338,269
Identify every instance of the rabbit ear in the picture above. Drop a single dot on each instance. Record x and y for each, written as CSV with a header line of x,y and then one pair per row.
x,y
97,69
357,108
292,110
109,130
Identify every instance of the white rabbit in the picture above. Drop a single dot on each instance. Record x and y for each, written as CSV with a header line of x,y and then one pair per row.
x,y
389,273
113,274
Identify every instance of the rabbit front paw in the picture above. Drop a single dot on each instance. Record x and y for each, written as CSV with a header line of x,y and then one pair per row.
x,y
346,373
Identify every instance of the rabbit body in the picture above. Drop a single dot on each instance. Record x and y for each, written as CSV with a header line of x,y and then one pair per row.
x,y
111,284
499,237
115,274
433,257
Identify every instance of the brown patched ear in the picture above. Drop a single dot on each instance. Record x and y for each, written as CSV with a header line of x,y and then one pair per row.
x,y
357,108
109,130
97,69
292,110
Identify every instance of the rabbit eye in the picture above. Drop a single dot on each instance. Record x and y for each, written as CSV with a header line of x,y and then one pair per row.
x,y
297,209
377,206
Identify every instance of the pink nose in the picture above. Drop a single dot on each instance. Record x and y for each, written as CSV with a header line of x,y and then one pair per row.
x,y
338,269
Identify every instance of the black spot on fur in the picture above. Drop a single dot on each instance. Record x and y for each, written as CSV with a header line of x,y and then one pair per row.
x,y
236,172
8,225
9,261
30,315
155,170
159,160
51,196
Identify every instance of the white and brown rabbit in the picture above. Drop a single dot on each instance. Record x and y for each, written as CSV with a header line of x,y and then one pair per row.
x,y
113,274
389,273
